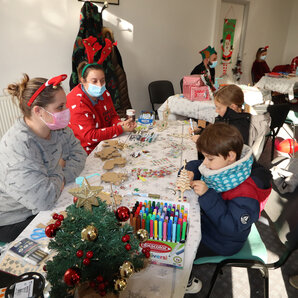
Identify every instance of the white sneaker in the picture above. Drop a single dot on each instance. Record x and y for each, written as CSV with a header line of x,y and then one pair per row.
x,y
194,286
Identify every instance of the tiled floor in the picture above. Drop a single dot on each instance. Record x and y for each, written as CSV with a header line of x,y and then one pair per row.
x,y
243,283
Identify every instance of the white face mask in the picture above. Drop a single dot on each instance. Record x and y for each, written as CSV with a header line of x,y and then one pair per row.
x,y
263,57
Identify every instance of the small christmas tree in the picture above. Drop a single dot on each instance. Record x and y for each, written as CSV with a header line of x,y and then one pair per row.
x,y
183,181
92,247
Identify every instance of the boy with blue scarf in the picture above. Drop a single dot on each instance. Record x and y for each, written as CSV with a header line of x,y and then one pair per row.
x,y
232,191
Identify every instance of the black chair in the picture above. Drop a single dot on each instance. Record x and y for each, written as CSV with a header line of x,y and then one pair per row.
x,y
181,85
159,91
281,211
278,114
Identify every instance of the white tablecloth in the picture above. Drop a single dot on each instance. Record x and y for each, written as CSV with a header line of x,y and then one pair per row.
x,y
181,106
155,280
281,85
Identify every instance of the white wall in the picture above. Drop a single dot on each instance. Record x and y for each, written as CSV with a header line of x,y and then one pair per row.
x,y
38,36
291,46
268,24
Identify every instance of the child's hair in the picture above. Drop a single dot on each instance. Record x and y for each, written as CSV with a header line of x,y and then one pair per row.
x,y
219,139
230,94
24,90
90,67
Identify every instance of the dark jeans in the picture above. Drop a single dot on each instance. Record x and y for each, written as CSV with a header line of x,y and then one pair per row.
x,y
203,251
11,232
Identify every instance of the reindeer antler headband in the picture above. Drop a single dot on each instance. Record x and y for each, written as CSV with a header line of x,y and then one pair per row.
x,y
55,81
92,47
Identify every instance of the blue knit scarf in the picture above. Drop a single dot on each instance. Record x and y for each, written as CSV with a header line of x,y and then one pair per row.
x,y
230,176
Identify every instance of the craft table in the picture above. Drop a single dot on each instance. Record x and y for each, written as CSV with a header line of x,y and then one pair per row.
x,y
281,85
155,280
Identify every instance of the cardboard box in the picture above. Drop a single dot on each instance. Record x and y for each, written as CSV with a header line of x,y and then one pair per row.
x,y
194,88
166,252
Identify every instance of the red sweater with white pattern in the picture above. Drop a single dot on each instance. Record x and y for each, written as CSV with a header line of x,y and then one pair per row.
x,y
92,124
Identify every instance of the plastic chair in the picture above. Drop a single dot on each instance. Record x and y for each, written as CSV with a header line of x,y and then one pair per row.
x,y
159,91
254,254
278,114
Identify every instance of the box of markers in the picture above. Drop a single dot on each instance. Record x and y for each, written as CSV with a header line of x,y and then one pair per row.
x,y
167,225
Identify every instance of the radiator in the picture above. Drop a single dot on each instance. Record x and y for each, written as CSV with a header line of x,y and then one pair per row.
x,y
9,112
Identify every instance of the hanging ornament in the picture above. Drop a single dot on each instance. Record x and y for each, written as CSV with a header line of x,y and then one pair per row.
x,y
101,286
89,254
122,214
89,233
86,261
60,217
120,284
57,223
55,216
125,238
128,246
87,195
127,269
99,278
50,230
72,276
75,199
142,235
79,253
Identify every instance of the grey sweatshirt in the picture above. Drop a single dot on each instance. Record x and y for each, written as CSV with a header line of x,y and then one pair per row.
x,y
30,175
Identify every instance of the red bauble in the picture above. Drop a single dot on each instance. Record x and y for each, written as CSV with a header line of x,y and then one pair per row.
x,y
79,253
72,276
57,223
124,239
99,278
75,200
55,216
50,231
147,255
44,267
122,213
128,246
144,250
127,237
92,284
101,286
61,217
89,254
86,261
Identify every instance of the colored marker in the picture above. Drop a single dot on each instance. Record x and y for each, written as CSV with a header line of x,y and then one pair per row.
x,y
174,232
164,238
169,230
160,229
178,232
155,229
183,231
151,229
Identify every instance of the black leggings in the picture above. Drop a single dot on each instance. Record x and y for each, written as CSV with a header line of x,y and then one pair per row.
x,y
11,232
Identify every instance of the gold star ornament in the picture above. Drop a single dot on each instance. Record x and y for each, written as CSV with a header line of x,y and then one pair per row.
x,y
87,195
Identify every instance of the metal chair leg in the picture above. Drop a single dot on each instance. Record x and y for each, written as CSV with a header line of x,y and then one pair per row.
x,y
272,147
213,280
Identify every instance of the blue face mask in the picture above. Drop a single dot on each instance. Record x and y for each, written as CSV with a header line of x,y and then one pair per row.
x,y
96,91
263,57
213,64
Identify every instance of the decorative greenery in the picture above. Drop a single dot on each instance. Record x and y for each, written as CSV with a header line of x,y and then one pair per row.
x,y
108,249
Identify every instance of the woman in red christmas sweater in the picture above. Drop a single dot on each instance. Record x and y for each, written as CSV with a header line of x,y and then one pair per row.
x,y
93,117
260,66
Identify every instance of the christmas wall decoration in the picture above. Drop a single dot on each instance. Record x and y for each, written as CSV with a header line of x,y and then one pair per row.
x,y
95,251
227,43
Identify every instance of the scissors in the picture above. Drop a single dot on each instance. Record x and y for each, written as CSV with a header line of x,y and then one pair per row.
x,y
37,234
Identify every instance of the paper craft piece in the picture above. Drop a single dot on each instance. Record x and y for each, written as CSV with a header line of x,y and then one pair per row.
x,y
113,143
86,195
202,123
110,164
105,196
183,182
107,153
113,177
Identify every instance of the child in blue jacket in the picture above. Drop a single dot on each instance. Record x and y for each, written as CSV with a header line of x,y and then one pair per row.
x,y
232,191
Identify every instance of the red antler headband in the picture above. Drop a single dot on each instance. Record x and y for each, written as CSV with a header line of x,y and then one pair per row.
x,y
53,81
92,47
